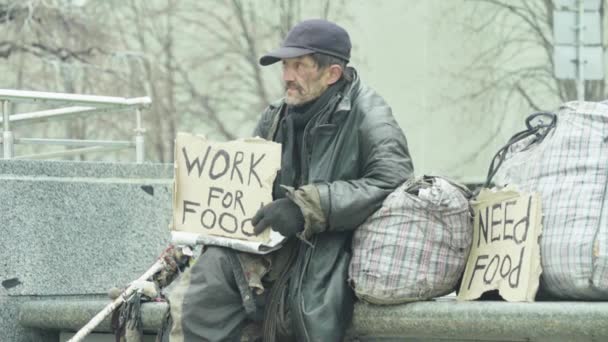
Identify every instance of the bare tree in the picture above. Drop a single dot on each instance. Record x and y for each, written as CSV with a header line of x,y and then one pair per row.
x,y
197,60
513,65
41,43
232,88
524,29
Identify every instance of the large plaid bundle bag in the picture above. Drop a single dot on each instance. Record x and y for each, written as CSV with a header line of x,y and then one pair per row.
x,y
569,168
415,246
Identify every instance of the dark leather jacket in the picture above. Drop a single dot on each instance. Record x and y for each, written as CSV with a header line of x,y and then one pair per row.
x,y
357,156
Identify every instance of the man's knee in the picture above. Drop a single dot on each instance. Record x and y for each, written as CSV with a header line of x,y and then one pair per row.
x,y
214,256
214,259
212,308
215,268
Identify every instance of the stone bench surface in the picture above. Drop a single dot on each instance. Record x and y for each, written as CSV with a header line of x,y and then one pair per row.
x,y
433,320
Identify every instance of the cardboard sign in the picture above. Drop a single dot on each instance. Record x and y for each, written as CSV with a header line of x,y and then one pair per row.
x,y
220,186
505,254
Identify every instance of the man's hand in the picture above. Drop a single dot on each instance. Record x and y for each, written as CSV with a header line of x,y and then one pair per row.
x,y
281,215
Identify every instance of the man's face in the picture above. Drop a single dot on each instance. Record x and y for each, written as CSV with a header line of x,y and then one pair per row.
x,y
304,81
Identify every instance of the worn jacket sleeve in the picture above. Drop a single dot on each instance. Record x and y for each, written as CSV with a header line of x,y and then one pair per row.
x,y
385,163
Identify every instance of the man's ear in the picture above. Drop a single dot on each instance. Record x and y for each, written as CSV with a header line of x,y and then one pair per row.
x,y
335,72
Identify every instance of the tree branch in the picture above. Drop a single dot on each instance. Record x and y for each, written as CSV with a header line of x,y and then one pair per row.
x,y
527,97
252,53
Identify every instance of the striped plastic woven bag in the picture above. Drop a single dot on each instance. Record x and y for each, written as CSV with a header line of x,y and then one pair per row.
x,y
415,246
569,168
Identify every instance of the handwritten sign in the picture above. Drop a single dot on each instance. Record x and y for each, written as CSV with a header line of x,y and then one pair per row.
x,y
505,254
220,186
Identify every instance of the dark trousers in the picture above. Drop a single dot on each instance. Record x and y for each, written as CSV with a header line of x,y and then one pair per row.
x,y
212,301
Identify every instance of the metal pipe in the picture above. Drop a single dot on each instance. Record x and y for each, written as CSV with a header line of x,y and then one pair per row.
x,y
139,138
6,121
138,120
58,114
139,149
94,105
580,82
46,97
74,142
7,135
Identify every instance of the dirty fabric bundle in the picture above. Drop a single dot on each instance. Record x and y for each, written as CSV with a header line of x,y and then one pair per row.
x,y
126,320
569,168
415,246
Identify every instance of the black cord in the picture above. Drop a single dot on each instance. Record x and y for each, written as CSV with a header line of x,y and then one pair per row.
x,y
540,130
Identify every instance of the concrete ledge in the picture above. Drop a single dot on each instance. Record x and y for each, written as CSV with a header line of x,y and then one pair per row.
x,y
49,168
435,320
486,320
67,314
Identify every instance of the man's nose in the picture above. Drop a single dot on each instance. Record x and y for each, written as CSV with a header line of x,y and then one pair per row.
x,y
288,75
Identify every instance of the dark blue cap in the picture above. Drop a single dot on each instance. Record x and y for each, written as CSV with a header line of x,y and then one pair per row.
x,y
310,36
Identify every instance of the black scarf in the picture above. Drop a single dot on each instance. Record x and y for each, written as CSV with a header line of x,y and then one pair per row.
x,y
291,135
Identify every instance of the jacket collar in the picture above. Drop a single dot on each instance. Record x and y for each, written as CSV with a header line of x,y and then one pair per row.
x,y
345,104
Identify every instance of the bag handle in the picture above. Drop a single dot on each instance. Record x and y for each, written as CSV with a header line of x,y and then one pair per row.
x,y
540,129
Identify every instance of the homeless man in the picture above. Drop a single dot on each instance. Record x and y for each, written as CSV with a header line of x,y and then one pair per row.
x,y
342,154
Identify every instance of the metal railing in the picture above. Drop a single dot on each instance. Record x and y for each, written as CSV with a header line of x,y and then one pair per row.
x,y
71,105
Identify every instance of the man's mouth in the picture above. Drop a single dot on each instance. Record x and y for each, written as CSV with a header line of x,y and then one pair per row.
x,y
292,90
292,87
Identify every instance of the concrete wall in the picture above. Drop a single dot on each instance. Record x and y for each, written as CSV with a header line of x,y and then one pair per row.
x,y
74,229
